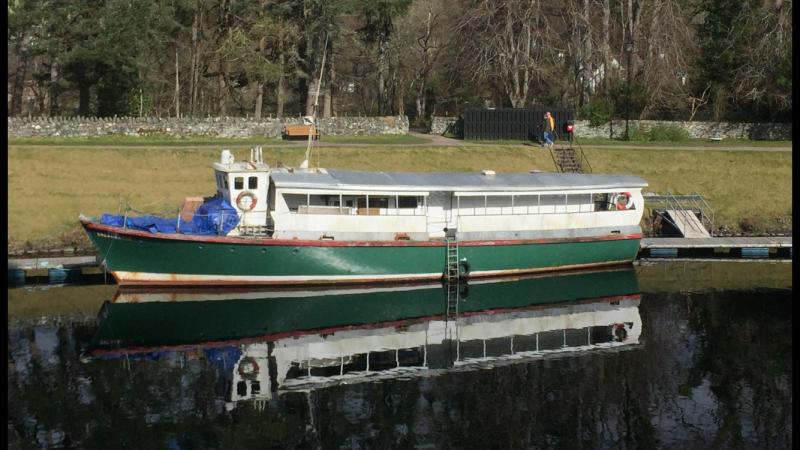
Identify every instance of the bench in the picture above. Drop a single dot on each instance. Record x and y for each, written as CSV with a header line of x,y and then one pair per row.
x,y
300,131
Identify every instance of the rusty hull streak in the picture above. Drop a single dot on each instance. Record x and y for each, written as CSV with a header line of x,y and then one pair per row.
x,y
329,243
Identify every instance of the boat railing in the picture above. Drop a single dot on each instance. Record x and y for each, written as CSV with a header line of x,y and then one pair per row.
x,y
691,202
354,211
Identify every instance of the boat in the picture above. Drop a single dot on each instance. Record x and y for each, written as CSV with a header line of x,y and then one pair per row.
x,y
272,340
313,226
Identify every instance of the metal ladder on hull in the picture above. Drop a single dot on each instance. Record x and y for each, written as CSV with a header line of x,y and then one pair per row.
x,y
452,274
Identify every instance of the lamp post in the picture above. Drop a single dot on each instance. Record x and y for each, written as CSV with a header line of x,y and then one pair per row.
x,y
629,51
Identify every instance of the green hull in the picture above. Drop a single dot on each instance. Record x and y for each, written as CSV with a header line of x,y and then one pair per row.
x,y
172,323
146,259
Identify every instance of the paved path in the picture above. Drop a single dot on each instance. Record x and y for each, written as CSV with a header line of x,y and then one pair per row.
x,y
733,148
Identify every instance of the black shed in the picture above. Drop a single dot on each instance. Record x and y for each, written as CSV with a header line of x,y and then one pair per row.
x,y
524,124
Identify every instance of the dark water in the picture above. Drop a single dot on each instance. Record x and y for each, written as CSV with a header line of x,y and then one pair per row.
x,y
611,359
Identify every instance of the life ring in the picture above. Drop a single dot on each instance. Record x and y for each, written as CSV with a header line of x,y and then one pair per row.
x,y
248,368
618,201
242,196
619,332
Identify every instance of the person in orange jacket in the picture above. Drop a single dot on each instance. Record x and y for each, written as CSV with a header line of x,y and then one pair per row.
x,y
549,127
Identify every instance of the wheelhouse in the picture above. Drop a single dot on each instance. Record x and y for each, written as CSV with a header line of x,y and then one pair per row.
x,y
245,185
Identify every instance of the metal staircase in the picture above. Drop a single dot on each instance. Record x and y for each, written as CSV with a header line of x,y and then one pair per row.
x,y
570,160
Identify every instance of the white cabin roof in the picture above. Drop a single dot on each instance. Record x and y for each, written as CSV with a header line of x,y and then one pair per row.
x,y
424,182
242,166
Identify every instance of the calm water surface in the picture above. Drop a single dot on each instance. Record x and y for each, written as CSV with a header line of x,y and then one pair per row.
x,y
672,355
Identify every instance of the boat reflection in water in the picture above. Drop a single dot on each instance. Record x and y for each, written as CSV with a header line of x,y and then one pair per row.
x,y
269,342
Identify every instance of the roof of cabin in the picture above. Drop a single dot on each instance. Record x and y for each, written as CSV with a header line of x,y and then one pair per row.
x,y
432,181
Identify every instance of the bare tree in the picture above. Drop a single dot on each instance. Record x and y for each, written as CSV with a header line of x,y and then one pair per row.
x,y
509,42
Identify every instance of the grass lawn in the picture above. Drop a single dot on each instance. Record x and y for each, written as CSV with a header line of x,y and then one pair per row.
x,y
50,185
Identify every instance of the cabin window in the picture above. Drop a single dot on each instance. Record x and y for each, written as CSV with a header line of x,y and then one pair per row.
x,y
407,202
579,202
601,202
498,204
252,183
225,181
238,183
293,201
371,206
552,204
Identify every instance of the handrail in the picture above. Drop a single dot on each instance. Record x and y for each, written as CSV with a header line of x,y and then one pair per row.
x,y
583,155
555,163
695,201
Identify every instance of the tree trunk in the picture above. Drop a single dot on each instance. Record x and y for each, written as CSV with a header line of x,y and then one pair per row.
x,y
281,96
19,85
421,106
326,103
194,69
606,49
262,47
54,91
259,100
382,50
222,99
332,80
177,87
586,72
222,78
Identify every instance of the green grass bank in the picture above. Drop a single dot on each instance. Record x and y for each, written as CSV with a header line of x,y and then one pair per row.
x,y
49,185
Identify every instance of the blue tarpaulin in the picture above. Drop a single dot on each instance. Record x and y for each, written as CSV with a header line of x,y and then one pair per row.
x,y
214,217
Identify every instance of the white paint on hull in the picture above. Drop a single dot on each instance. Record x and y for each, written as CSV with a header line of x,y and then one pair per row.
x,y
144,278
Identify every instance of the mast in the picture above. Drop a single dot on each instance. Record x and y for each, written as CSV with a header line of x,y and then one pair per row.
x,y
304,164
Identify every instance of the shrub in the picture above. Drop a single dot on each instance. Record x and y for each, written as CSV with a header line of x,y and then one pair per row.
x,y
597,112
670,133
634,133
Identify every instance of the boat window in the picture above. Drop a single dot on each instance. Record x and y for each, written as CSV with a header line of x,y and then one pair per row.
x,y
238,183
579,202
552,204
295,200
225,181
252,183
408,202
498,204
601,202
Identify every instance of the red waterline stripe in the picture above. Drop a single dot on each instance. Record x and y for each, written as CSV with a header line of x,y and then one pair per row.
x,y
329,243
330,330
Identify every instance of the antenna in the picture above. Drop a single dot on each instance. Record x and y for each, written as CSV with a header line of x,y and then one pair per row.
x,y
304,164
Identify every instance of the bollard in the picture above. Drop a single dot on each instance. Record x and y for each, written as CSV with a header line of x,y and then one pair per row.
x,y
16,277
59,275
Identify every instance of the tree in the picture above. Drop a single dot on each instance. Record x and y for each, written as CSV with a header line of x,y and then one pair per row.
x,y
509,42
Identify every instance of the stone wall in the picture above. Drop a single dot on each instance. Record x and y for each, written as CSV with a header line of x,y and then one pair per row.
x,y
699,130
227,127
440,124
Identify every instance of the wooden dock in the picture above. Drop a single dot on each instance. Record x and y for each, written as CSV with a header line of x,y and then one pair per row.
x,y
717,242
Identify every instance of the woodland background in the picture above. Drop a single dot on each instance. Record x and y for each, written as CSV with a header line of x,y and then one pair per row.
x,y
670,59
